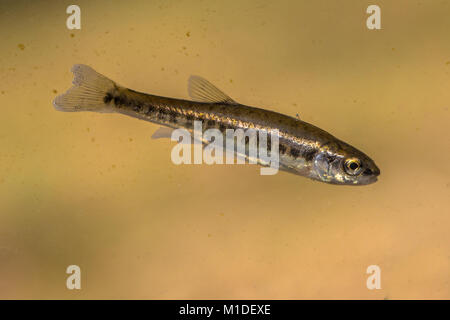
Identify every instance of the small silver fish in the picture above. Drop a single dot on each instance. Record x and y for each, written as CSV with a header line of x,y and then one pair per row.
x,y
304,149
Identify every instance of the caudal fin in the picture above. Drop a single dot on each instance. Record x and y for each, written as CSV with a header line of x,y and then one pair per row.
x,y
88,93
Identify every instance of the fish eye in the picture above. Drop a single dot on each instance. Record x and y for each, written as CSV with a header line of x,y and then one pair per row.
x,y
352,166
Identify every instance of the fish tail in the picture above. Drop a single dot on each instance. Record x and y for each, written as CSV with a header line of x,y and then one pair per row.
x,y
90,92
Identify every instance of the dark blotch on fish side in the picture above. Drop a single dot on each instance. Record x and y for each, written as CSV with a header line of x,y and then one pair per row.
x,y
309,155
211,123
108,98
282,148
137,107
294,152
222,127
131,103
150,110
160,115
173,117
120,100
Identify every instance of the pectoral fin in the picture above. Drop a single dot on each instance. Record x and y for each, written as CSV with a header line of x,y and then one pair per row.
x,y
162,132
165,132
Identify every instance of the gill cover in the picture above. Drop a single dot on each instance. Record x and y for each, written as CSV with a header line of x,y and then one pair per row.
x,y
323,166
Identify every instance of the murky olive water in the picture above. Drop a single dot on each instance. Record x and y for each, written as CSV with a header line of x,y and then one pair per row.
x,y
94,190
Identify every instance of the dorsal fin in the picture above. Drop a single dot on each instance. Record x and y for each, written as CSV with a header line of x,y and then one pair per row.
x,y
202,90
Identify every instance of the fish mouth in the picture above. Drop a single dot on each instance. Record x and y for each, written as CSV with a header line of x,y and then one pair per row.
x,y
373,180
370,179
375,172
369,176
363,182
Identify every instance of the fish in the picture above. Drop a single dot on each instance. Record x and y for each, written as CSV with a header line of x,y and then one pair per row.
x,y
304,149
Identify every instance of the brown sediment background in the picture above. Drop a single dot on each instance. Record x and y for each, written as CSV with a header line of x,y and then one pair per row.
x,y
95,191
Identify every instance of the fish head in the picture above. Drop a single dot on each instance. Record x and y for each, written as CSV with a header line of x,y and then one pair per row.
x,y
340,163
